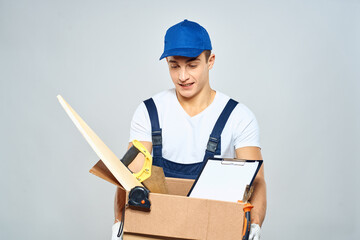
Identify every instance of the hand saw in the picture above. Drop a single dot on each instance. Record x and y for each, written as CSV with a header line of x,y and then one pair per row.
x,y
116,167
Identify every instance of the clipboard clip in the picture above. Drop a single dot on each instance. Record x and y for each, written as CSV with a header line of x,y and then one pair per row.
x,y
233,161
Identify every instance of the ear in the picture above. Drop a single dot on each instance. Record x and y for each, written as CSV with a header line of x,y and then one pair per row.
x,y
211,61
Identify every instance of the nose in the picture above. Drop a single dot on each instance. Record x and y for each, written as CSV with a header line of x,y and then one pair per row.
x,y
183,75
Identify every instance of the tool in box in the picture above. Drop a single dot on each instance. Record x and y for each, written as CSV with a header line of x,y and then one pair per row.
x,y
247,208
139,196
122,174
152,177
131,154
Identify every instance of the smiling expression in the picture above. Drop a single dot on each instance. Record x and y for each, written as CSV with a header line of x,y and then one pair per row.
x,y
190,75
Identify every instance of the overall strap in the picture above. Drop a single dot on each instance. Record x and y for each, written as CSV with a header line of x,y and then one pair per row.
x,y
155,127
214,143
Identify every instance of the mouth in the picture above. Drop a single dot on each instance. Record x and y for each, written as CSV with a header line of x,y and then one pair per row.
x,y
186,85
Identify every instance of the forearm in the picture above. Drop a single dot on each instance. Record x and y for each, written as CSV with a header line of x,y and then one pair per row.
x,y
258,200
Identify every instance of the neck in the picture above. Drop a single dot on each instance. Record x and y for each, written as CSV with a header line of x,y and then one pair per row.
x,y
197,103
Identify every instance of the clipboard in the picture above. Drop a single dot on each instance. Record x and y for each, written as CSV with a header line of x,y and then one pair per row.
x,y
225,179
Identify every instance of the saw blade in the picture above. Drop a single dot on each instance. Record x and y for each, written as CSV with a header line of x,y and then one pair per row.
x,y
116,167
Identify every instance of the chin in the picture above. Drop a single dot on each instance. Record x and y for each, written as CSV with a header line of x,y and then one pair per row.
x,y
186,94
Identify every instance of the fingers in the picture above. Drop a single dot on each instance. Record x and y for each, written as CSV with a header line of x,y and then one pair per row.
x,y
115,232
254,232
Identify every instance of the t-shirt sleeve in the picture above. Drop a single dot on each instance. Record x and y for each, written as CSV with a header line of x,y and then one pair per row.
x,y
140,127
247,133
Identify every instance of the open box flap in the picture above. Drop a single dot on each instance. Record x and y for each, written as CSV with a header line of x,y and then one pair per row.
x,y
100,170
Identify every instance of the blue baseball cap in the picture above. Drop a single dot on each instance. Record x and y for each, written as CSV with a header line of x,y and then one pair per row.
x,y
187,39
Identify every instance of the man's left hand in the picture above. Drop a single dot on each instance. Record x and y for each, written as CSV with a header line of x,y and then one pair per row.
x,y
115,231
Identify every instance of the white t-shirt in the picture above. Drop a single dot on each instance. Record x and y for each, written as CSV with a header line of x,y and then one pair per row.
x,y
185,138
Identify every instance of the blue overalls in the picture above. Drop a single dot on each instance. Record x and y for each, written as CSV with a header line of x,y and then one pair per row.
x,y
178,170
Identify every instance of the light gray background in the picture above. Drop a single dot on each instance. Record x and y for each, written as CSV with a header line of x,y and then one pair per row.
x,y
294,63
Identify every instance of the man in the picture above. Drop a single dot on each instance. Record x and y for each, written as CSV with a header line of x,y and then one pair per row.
x,y
176,124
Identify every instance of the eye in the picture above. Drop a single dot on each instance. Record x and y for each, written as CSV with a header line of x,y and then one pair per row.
x,y
193,65
174,66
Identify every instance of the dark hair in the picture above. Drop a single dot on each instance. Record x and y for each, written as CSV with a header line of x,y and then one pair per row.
x,y
207,55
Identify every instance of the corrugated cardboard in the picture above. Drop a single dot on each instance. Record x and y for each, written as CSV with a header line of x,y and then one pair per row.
x,y
175,216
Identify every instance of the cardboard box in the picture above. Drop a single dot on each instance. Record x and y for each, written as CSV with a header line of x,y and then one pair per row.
x,y
175,216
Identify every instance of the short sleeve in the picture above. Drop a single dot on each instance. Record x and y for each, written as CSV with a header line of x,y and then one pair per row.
x,y
140,127
247,133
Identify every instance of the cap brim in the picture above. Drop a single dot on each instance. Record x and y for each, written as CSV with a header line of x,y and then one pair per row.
x,y
184,52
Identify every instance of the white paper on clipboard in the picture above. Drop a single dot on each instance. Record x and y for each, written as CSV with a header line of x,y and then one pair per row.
x,y
224,180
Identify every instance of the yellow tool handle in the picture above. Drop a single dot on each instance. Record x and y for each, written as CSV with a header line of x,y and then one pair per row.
x,y
145,172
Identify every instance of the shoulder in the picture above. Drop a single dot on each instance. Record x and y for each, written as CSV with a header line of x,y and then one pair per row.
x,y
243,111
240,109
221,96
164,95
220,101
158,99
165,101
244,127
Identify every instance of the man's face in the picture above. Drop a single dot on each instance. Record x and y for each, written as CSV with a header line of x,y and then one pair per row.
x,y
190,75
